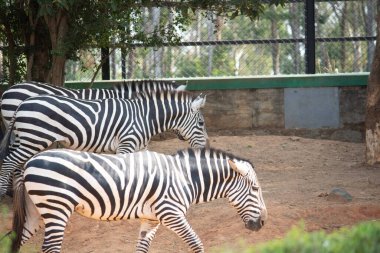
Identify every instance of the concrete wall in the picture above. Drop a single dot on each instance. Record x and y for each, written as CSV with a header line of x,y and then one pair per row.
x,y
318,105
311,107
329,112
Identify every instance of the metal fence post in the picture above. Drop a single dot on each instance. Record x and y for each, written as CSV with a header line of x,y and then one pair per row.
x,y
123,63
310,36
106,63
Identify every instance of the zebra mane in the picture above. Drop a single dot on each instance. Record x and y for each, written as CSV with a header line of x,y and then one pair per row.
x,y
191,153
182,94
132,84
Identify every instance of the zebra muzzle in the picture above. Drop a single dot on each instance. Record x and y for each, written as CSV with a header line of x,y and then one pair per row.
x,y
254,225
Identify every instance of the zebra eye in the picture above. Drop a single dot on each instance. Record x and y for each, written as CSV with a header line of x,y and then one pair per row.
x,y
255,187
201,123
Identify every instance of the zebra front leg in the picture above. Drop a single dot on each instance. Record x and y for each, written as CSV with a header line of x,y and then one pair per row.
x,y
182,228
148,230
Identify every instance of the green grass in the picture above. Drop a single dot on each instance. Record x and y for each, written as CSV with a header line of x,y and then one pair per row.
x,y
362,238
5,243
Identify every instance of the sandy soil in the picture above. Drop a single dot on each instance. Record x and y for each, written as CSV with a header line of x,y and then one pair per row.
x,y
294,173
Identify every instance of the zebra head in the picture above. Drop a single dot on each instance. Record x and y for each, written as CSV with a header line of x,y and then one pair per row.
x,y
247,196
193,128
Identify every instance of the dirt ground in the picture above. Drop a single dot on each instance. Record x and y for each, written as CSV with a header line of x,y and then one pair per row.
x,y
295,173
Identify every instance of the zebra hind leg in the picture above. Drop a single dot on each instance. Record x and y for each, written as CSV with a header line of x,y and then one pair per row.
x,y
27,220
33,220
148,230
182,228
55,215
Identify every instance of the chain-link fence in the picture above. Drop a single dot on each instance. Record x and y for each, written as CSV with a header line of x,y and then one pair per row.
x,y
331,37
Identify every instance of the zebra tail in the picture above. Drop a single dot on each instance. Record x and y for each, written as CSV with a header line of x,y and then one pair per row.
x,y
19,214
5,143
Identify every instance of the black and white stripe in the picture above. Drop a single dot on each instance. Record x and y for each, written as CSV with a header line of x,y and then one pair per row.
x,y
16,94
102,126
155,188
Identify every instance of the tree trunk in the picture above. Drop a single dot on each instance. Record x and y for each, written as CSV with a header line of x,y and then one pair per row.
x,y
12,57
198,33
157,52
58,27
343,25
372,123
295,28
210,36
131,63
275,47
357,49
219,22
370,27
113,62
1,64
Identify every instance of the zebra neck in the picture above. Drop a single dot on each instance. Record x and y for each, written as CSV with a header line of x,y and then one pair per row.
x,y
208,178
166,111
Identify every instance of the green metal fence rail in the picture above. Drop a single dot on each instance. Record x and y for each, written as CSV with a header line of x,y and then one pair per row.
x,y
254,82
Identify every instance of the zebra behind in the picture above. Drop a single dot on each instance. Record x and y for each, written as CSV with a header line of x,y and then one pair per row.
x,y
16,94
155,188
102,126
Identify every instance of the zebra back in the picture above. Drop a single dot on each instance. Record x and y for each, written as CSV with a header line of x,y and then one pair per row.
x,y
131,88
18,93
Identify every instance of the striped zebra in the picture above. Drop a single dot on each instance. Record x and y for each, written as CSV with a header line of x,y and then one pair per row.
x,y
16,94
103,126
152,187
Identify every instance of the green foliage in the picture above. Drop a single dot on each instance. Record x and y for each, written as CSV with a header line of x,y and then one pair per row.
x,y
96,24
362,238
5,240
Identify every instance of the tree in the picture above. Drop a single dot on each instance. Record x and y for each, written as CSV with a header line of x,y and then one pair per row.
x,y
48,32
372,123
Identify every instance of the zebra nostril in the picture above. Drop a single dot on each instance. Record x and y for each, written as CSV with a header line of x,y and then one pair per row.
x,y
262,222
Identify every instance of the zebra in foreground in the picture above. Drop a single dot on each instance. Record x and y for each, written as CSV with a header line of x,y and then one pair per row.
x,y
153,187
17,93
101,126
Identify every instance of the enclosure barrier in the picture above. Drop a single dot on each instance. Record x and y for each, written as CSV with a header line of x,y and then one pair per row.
x,y
253,82
322,106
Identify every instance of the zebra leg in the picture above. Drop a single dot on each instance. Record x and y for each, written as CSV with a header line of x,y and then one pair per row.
x,y
148,230
182,228
54,231
53,237
55,214
6,177
33,220
20,151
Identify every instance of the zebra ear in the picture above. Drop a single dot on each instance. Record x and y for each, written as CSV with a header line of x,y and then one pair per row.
x,y
232,165
182,87
238,167
198,103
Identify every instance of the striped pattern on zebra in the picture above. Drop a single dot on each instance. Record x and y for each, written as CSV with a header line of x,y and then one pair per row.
x,y
153,187
102,126
13,96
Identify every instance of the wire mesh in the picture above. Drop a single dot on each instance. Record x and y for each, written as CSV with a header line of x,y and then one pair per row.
x,y
212,46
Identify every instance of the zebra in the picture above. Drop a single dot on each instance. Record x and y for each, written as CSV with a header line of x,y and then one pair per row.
x,y
103,126
152,187
17,93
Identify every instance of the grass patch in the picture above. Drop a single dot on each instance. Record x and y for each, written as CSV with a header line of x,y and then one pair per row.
x,y
361,238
